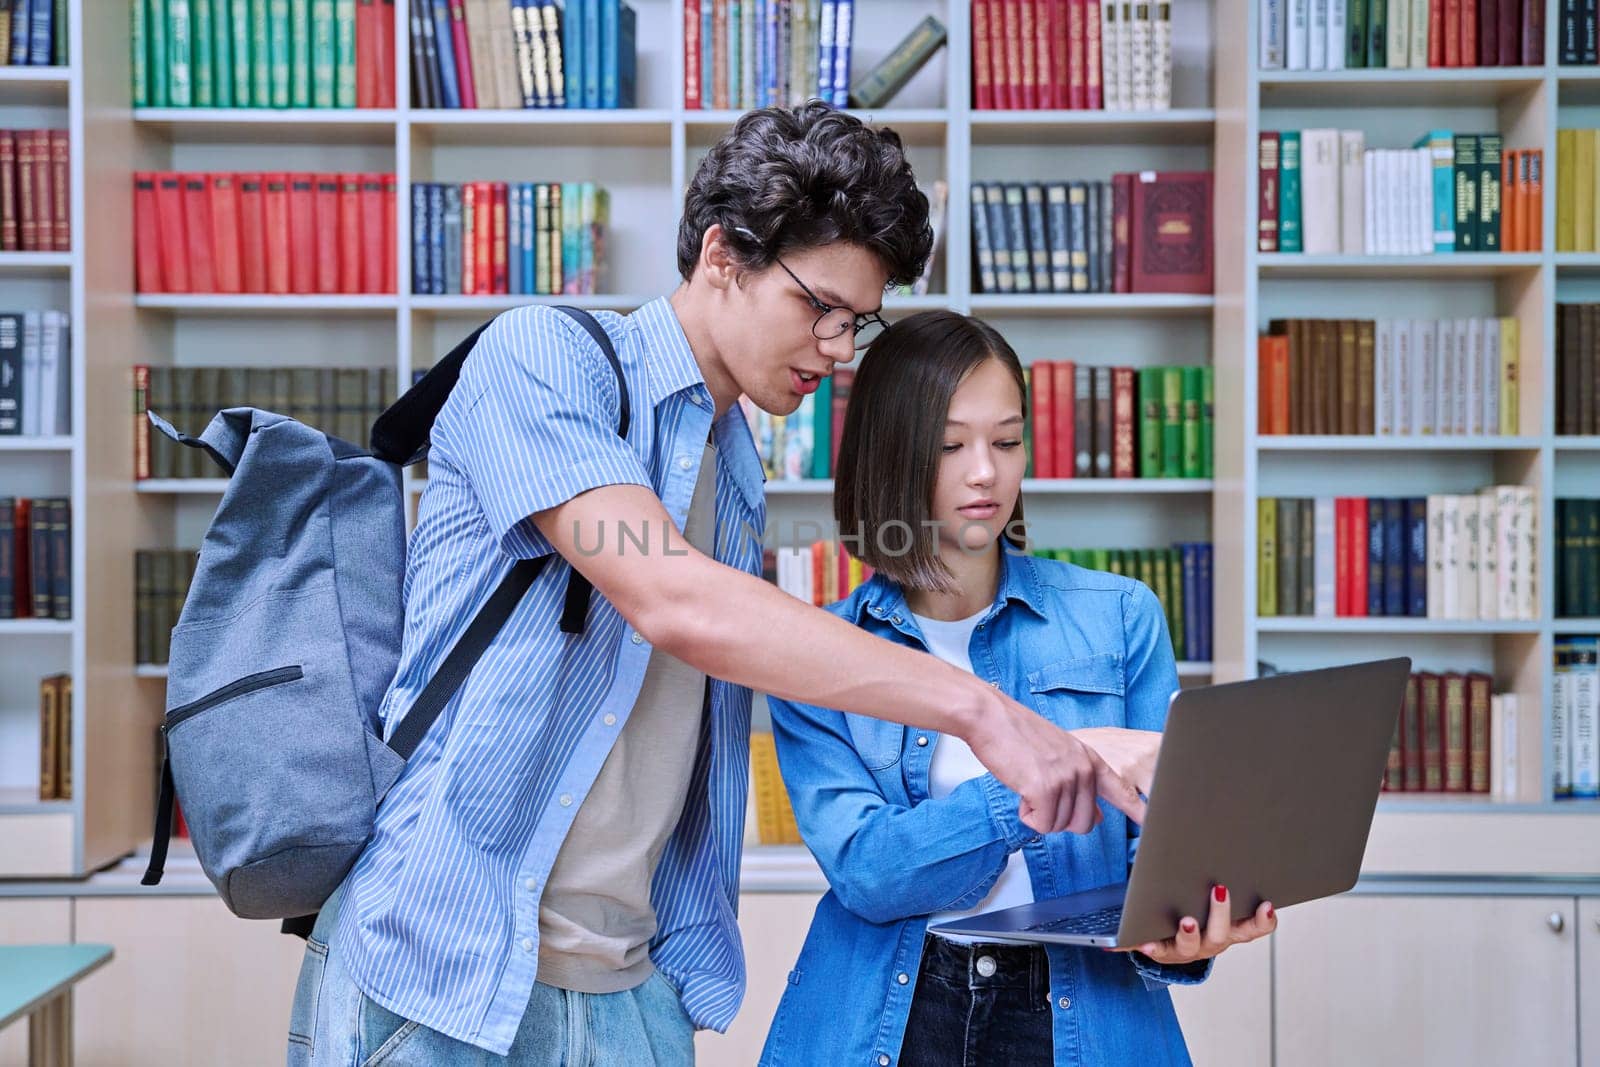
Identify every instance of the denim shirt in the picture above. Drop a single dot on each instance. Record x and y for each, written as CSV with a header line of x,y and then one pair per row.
x,y
1081,647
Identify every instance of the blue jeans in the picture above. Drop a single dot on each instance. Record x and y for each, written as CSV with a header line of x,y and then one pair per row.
x,y
335,1024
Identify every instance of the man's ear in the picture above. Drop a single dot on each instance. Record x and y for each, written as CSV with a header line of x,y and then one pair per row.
x,y
718,264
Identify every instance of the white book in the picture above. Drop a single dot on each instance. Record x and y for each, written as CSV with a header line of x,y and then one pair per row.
x,y
1443,405
1528,553
1319,191
32,371
1405,341
1425,379
1338,29
1436,569
1273,14
1125,69
1473,416
1423,162
1509,748
1471,553
1451,548
1459,422
1585,718
1299,34
1508,531
1560,724
1419,40
1140,47
1491,376
1378,193
1369,202
1418,233
1161,56
1352,191
50,372
1111,74
1397,51
1383,360
1325,561
1497,733
1488,556
1317,37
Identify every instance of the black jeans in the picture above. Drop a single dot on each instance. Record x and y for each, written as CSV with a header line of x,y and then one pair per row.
x,y
980,1004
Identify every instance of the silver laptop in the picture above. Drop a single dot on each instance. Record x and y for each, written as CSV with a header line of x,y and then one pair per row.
x,y
1266,786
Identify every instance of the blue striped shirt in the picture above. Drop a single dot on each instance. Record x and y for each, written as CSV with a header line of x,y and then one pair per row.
x,y
440,917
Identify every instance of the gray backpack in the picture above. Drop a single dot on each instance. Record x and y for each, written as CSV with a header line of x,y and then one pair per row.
x,y
289,639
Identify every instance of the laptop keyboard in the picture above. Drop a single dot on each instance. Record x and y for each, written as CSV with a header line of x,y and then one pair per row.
x,y
1104,921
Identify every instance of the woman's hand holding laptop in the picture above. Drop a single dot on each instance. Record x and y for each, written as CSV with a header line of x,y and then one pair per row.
x,y
1192,944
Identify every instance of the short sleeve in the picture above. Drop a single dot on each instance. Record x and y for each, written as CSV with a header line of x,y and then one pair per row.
x,y
533,423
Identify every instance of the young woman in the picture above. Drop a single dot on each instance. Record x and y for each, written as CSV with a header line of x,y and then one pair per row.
x,y
907,827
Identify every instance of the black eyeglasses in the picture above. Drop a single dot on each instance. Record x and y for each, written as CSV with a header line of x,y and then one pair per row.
x,y
833,321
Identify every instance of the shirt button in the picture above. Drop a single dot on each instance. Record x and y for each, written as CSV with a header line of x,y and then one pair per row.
x,y
902,978
883,1061
610,720
994,685
980,626
684,463
922,742
637,639
987,966
895,620
1064,1003
532,885
527,944
566,800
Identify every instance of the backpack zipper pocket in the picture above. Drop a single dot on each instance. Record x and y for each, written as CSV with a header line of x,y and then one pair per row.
x,y
248,684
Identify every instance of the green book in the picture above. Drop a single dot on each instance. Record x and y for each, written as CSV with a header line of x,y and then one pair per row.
x,y
160,63
1100,559
822,430
139,41
278,43
1162,590
1174,566
322,54
1377,33
58,45
300,53
344,33
180,87
1466,176
1289,192
1192,463
1172,422
261,53
891,74
204,68
221,55
239,43
1150,401
1208,422
1489,192
1114,560
1355,53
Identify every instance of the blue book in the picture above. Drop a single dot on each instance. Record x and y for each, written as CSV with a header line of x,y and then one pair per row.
x,y
513,239
1375,556
628,58
39,33
419,237
618,29
1416,539
825,22
1191,601
572,53
1203,583
735,54
20,38
589,38
530,273
843,35
449,86
436,239
1394,558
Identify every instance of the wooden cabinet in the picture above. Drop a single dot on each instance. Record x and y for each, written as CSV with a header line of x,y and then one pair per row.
x,y
30,922
1586,935
1227,1020
1417,981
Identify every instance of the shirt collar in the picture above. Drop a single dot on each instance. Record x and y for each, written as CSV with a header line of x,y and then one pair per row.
x,y
885,600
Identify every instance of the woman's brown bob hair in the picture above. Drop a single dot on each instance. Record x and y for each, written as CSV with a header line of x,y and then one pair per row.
x,y
893,439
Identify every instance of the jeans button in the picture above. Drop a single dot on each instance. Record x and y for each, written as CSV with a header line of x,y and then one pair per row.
x,y
1064,1003
902,978
987,966
922,741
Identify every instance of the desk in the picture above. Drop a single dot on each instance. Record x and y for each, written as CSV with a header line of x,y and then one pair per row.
x,y
37,981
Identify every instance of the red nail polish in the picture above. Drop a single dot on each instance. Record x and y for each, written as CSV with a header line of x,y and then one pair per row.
x,y
1189,926
1271,914
1221,893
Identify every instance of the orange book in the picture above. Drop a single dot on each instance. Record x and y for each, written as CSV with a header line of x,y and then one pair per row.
x,y
1510,221
43,211
224,194
302,233
501,282
1272,385
8,193
146,234
819,566
24,169
1533,198
372,233
275,196
1063,429
141,428
391,260
252,233
469,229
1044,398
349,233
1122,407
197,227
174,245
483,241
327,232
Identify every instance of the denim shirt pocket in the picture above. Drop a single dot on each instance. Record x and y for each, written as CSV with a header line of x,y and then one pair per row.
x,y
878,743
1081,692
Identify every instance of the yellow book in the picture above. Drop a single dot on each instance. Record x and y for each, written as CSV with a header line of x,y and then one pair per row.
x,y
1267,556
64,737
858,573
775,823
49,731
1510,362
1583,192
1566,187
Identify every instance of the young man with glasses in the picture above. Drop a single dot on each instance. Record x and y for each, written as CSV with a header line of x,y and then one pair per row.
x,y
555,877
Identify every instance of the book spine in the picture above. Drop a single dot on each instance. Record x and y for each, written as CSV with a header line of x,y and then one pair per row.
x,y
1289,232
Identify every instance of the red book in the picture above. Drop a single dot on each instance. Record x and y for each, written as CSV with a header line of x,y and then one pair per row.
x,y
1342,554
1044,64
9,241
1359,555
327,212
1010,77
1411,736
275,197
1043,389
469,238
498,250
349,233
1533,34
1510,34
368,42
1170,238
302,233
458,34
1122,411
1091,49
391,262
385,60
372,224
1063,406
843,379
197,227
1533,211
225,232
1430,704
1435,33
43,200
146,234
174,245
1273,418
1075,84
1028,50
252,233
982,47
21,519
1121,232
23,170
483,241
60,187
1469,33
691,54
1267,191
1452,33
997,53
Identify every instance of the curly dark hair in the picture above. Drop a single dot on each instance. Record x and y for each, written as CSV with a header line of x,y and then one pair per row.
x,y
802,177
